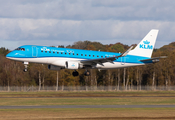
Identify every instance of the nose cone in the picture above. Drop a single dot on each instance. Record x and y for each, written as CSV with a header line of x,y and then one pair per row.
x,y
15,54
9,55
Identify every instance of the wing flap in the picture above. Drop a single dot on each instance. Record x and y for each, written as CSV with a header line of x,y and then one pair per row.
x,y
98,61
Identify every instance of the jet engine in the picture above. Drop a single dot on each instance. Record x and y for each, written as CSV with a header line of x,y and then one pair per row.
x,y
73,65
53,67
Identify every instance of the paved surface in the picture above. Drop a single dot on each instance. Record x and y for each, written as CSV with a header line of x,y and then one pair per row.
x,y
89,106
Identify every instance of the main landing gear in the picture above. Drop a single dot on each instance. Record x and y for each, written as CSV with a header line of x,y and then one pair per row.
x,y
25,65
75,73
87,73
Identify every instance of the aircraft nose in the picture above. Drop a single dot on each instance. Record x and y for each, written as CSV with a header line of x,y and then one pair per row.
x,y
10,55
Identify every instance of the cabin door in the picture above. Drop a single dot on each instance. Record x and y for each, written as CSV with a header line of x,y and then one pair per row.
x,y
34,51
123,60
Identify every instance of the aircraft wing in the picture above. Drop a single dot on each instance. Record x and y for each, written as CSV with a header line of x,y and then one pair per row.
x,y
103,60
156,59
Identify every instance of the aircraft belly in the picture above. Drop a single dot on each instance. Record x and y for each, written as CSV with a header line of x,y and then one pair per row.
x,y
116,65
60,61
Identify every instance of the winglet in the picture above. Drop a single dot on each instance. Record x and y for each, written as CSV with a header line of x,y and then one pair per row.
x,y
126,52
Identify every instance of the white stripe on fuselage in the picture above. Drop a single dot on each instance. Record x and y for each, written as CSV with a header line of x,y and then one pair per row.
x,y
60,61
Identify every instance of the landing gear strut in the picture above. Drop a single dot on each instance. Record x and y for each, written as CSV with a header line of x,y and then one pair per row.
x,y
87,73
75,73
25,65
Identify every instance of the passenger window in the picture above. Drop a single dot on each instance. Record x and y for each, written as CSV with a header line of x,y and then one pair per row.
x,y
57,52
69,53
77,54
53,51
61,52
93,55
85,55
45,51
49,51
89,55
73,54
41,50
102,56
97,56
81,54
65,53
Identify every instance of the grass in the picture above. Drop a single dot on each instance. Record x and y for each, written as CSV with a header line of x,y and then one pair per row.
x,y
87,94
87,113
87,101
88,98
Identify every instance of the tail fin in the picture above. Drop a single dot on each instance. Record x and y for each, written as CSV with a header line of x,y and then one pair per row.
x,y
146,46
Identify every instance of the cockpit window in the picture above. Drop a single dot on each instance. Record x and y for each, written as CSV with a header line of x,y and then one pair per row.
x,y
22,49
17,49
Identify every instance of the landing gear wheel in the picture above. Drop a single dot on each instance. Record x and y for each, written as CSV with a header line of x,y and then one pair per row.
x,y
75,73
87,73
25,65
25,70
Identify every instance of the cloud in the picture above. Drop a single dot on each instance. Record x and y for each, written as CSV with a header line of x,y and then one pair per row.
x,y
159,10
51,22
71,30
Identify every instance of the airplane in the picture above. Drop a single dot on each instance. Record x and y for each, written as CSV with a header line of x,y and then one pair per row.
x,y
66,58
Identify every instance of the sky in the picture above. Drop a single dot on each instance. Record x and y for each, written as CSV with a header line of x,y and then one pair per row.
x,y
64,22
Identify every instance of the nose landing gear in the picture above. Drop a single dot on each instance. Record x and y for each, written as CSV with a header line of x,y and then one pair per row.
x,y
25,65
25,70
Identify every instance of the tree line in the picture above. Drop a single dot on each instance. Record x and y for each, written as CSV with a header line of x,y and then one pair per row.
x,y
158,74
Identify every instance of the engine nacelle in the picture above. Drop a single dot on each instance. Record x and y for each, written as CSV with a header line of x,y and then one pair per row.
x,y
53,67
73,65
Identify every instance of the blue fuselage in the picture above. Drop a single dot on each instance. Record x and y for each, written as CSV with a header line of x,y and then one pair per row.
x,y
58,56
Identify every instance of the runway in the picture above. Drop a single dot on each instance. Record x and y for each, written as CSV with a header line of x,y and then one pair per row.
x,y
88,106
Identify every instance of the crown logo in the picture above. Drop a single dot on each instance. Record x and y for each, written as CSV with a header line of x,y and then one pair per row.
x,y
73,65
146,42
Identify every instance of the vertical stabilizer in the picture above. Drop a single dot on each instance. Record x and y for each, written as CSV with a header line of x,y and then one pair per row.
x,y
146,46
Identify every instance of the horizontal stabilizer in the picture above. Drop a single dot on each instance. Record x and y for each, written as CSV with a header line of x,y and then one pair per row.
x,y
156,59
